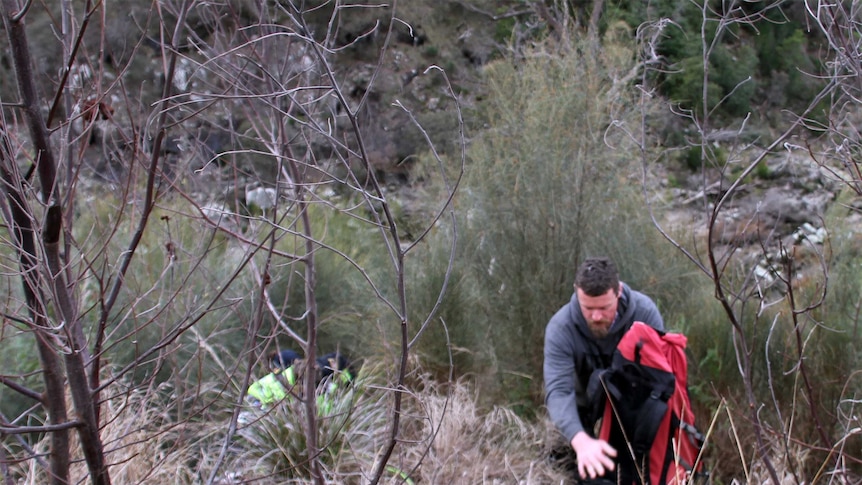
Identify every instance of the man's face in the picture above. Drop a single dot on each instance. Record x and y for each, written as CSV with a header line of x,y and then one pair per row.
x,y
599,311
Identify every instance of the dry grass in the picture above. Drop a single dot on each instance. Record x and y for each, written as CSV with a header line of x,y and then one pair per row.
x,y
143,444
146,445
446,437
472,445
446,434
444,431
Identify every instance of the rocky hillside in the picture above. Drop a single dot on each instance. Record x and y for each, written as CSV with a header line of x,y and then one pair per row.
x,y
459,37
790,192
784,202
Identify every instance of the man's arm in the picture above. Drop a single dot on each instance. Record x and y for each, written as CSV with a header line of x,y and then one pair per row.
x,y
595,457
559,375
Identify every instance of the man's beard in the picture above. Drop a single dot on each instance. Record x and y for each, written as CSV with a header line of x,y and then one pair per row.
x,y
599,330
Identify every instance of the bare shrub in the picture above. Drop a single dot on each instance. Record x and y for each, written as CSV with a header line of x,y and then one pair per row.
x,y
173,274
773,291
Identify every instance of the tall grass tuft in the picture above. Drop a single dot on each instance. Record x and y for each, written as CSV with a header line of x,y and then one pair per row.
x,y
445,429
351,420
473,444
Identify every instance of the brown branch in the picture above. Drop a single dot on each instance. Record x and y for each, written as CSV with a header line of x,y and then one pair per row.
x,y
25,391
19,221
48,428
46,167
73,55
595,17
545,14
148,204
800,348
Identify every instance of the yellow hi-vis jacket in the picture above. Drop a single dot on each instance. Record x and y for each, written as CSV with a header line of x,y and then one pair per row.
x,y
272,388
269,389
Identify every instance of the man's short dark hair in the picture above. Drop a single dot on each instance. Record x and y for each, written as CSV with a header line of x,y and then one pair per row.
x,y
597,275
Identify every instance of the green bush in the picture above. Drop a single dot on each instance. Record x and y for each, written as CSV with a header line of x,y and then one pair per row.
x,y
730,87
450,339
184,274
544,190
503,29
19,357
775,45
734,69
685,85
352,264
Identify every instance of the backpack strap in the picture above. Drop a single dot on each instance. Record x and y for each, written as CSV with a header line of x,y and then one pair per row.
x,y
693,432
648,422
651,413
598,387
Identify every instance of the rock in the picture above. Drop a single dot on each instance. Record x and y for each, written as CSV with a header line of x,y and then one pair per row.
x,y
784,205
263,198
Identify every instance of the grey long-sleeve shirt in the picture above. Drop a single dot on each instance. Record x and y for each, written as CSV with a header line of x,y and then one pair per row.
x,y
570,355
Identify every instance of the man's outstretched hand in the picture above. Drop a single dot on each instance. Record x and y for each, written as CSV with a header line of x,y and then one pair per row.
x,y
594,456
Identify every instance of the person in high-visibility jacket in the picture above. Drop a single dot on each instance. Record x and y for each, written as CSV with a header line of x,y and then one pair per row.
x,y
333,372
333,369
275,386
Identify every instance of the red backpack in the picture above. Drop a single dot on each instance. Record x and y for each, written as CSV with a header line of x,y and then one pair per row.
x,y
648,417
